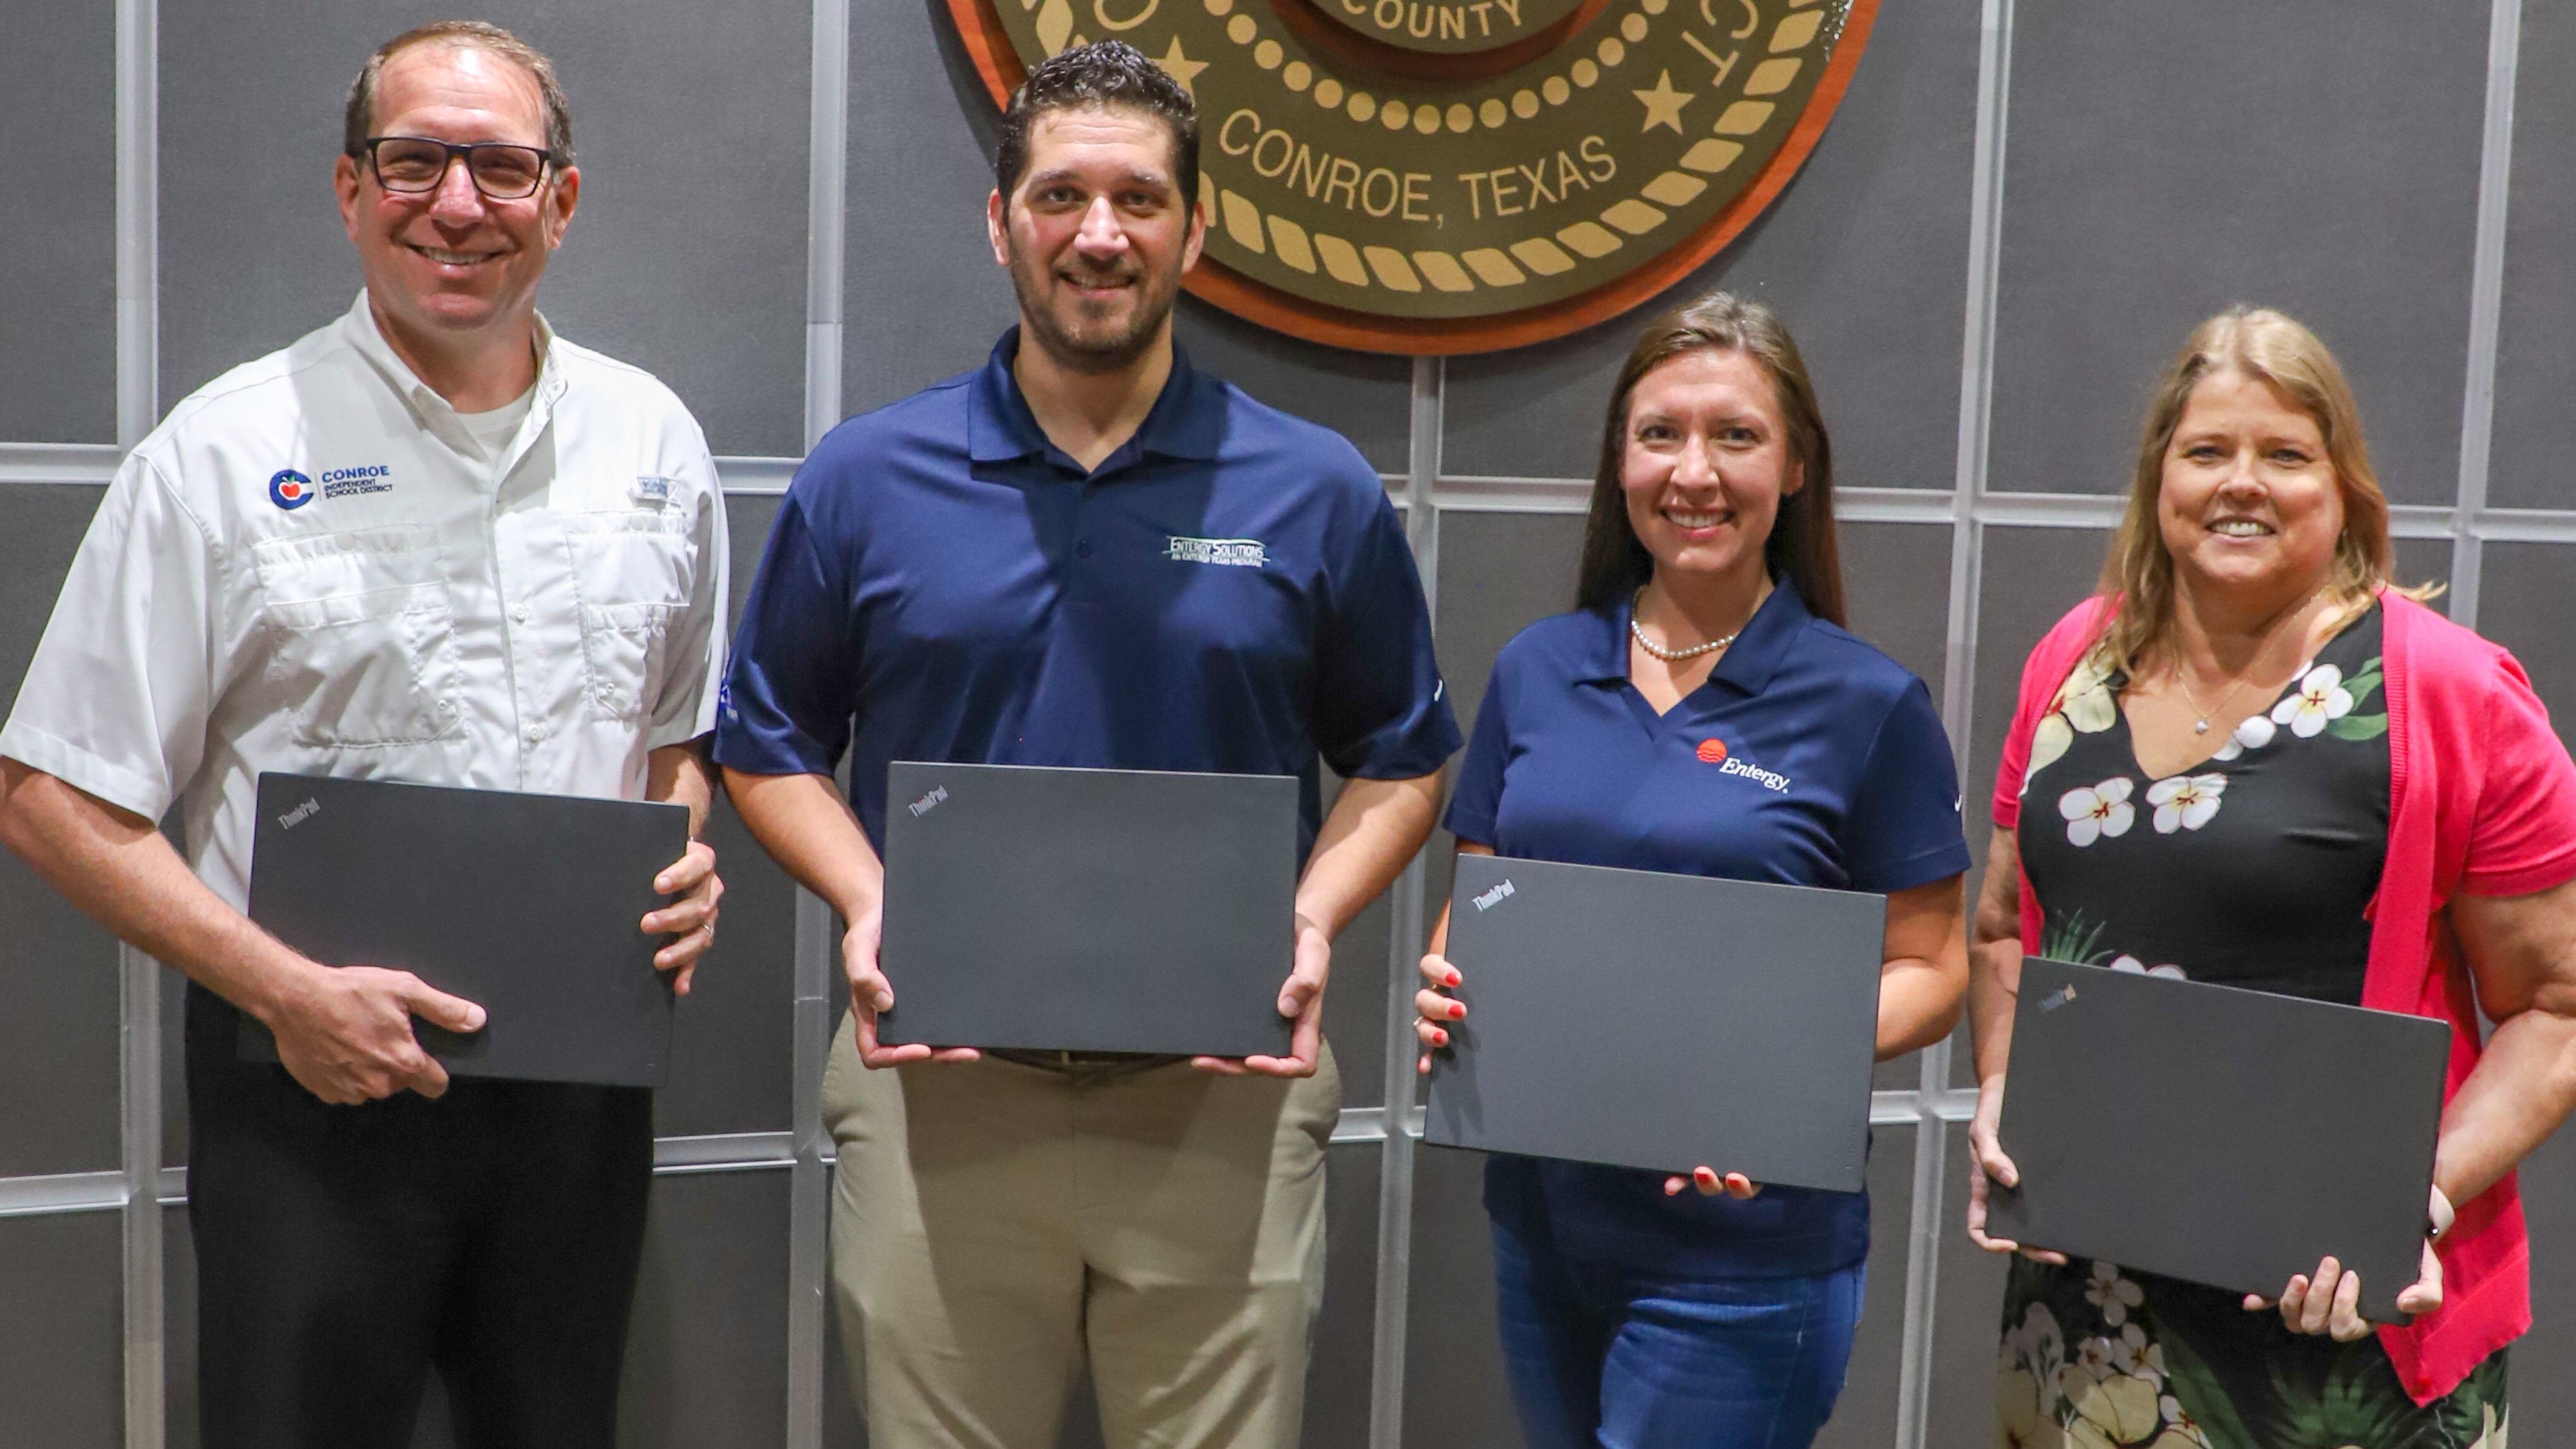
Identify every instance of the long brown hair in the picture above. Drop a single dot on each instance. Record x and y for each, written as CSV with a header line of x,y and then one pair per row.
x,y
1801,546
2272,348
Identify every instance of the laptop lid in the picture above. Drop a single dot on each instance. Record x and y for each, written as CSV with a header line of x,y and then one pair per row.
x,y
1088,910
524,904
1661,1021
2226,1136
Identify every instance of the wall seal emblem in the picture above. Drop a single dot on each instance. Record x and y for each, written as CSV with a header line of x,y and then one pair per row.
x,y
1452,176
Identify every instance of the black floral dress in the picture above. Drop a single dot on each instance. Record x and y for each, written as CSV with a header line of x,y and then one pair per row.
x,y
2253,869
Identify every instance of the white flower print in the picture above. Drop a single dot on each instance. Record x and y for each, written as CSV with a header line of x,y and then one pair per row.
x,y
2101,810
2180,1425
2319,698
2136,967
2186,802
2131,1354
2084,704
2253,734
2115,1296
2093,1358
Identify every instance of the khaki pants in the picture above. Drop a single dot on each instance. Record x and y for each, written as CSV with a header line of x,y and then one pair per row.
x,y
993,1223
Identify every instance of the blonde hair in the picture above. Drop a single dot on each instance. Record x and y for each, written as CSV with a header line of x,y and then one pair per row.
x,y
2274,349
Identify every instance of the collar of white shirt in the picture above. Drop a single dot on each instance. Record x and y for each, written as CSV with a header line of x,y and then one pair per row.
x,y
434,413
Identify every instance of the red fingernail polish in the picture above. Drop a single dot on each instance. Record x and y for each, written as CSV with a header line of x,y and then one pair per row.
x,y
1443,1036
1454,978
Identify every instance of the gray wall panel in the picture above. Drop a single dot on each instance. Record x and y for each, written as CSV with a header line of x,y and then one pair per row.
x,y
731,1049
2425,561
2535,433
58,293
2527,596
58,1040
1966,1336
1865,257
923,299
2167,161
706,1356
1896,587
1499,573
1364,397
2543,1392
62,1370
691,124
2032,576
1455,1395
1865,1415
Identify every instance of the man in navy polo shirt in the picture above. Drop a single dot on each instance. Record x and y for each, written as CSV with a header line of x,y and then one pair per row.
x,y
1085,553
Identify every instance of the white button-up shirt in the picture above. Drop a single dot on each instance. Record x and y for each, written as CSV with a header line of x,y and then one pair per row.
x,y
312,567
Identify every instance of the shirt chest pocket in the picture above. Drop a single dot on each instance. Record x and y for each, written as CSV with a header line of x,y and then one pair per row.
x,y
362,638
633,572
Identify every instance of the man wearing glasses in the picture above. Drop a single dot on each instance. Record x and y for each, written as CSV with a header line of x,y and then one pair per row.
x,y
429,542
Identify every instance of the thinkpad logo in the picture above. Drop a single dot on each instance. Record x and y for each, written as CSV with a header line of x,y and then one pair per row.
x,y
299,814
923,805
1494,897
2057,998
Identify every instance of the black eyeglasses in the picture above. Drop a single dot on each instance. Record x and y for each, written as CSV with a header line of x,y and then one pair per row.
x,y
415,164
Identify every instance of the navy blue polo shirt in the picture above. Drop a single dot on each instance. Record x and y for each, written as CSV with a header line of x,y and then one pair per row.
x,y
1806,758
1229,591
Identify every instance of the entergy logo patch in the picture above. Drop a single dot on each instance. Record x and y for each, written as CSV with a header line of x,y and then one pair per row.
x,y
1248,553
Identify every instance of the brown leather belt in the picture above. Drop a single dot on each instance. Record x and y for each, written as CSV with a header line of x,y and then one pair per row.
x,y
1086,1064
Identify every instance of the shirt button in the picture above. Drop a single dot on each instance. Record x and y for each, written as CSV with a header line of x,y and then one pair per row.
x,y
1082,549
520,613
535,733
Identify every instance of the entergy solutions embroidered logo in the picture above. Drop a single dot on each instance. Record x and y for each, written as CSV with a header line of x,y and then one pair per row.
x,y
1240,552
1713,751
289,489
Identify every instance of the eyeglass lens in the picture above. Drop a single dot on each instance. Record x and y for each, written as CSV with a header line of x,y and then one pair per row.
x,y
502,172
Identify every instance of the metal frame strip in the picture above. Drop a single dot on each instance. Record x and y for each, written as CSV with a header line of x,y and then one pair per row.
x,y
1395,1173
809,1212
2486,309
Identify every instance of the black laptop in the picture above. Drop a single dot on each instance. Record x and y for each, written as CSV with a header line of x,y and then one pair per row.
x,y
1088,910
2225,1136
1661,1021
525,904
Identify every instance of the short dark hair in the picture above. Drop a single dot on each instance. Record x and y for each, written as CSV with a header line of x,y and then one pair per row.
x,y
1802,544
358,121
1103,73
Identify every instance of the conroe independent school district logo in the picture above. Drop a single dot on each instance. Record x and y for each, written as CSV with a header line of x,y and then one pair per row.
x,y
289,489
1444,176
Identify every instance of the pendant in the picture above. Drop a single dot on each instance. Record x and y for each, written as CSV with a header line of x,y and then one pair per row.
x,y
2201,728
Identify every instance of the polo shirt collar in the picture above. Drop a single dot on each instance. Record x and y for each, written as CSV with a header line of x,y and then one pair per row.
x,y
1748,663
358,329
1186,421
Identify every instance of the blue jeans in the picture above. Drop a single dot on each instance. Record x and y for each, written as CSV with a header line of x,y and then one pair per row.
x,y
1602,1358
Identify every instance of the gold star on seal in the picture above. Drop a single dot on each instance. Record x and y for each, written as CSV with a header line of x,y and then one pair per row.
x,y
1186,70
1663,103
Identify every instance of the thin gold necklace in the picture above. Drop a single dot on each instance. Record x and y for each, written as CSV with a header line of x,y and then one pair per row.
x,y
1637,632
2201,725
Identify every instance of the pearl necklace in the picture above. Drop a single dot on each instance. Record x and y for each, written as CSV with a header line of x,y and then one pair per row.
x,y
1637,632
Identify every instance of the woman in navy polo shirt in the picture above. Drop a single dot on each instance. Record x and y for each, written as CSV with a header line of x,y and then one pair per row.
x,y
1641,1311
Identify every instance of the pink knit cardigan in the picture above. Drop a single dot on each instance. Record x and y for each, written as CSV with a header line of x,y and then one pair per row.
x,y
2482,799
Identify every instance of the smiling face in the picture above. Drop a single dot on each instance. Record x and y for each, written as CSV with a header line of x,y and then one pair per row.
x,y
1705,463
453,260
1096,236
2249,500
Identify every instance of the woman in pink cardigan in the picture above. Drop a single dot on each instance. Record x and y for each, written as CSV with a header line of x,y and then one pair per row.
x,y
2251,760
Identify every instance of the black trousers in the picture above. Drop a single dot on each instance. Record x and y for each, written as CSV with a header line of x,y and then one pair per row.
x,y
342,1252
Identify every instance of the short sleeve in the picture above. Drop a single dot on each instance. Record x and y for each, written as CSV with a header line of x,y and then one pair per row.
x,y
117,699
1904,829
1478,799
1381,711
695,643
786,707
2523,836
